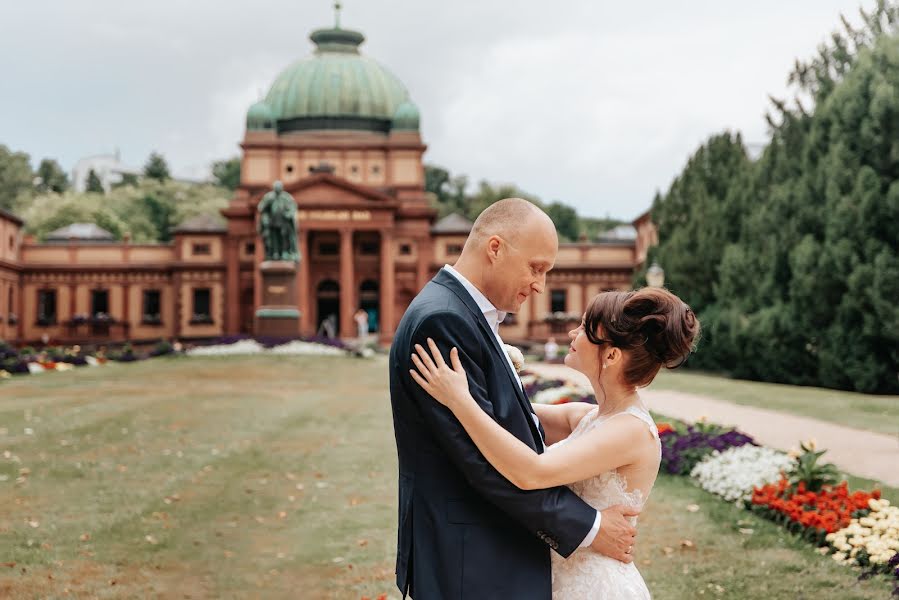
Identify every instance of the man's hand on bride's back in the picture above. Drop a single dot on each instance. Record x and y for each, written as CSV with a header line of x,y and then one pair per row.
x,y
616,535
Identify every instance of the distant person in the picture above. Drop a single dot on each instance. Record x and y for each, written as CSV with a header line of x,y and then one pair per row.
x,y
550,350
328,326
361,318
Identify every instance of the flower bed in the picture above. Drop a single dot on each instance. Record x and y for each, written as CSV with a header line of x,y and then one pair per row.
x,y
857,528
736,472
869,540
683,447
58,358
811,514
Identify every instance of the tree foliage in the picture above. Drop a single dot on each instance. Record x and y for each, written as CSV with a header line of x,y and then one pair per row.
x,y
156,167
227,172
94,185
51,177
16,178
791,260
451,195
147,210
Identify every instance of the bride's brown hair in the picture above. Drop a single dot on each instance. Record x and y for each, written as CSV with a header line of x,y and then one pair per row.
x,y
652,326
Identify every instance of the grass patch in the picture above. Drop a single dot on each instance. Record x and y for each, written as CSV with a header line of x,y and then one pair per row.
x,y
275,477
862,411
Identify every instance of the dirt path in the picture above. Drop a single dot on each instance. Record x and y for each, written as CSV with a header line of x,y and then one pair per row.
x,y
862,453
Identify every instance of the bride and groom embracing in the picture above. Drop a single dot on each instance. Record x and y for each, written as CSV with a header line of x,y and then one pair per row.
x,y
495,500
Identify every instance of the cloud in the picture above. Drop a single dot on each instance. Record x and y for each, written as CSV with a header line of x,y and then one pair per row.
x,y
596,104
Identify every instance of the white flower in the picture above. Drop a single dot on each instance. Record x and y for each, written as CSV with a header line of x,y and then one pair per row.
x,y
877,534
244,347
239,347
734,473
34,368
555,395
297,348
515,356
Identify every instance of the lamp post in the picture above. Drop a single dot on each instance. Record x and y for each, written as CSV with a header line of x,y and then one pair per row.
x,y
655,275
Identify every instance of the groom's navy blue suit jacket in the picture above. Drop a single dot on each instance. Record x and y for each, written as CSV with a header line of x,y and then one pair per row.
x,y
465,532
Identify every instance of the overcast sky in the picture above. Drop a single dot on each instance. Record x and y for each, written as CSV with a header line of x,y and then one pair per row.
x,y
593,103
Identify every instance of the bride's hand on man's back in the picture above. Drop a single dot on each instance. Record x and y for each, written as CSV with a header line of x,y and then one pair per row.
x,y
445,382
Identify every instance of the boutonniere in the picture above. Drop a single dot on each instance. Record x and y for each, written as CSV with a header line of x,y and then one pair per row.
x,y
515,356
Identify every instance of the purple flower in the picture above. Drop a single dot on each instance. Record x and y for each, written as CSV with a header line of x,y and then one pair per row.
x,y
681,451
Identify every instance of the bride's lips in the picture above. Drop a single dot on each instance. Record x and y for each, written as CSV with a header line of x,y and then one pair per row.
x,y
571,349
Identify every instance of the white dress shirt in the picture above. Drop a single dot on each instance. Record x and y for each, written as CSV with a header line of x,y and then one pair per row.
x,y
494,317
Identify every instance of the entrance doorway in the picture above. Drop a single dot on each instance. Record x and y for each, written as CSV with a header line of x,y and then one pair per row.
x,y
327,297
370,301
247,310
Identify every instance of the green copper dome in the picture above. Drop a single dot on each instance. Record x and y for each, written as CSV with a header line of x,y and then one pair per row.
x,y
260,117
336,88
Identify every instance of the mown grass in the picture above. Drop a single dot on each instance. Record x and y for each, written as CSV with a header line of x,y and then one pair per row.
x,y
862,411
275,477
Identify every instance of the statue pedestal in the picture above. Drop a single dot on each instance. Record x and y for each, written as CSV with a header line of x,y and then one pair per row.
x,y
278,314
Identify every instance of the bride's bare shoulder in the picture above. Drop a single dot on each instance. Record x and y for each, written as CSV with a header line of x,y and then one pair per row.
x,y
575,411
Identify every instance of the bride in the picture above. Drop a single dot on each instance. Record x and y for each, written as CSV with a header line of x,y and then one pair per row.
x,y
607,454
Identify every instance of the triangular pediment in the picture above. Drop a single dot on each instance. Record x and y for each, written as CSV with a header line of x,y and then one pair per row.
x,y
324,189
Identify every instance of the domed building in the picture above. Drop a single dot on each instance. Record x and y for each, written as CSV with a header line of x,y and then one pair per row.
x,y
342,134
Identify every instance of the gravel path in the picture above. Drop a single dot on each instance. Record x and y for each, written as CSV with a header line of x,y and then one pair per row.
x,y
862,453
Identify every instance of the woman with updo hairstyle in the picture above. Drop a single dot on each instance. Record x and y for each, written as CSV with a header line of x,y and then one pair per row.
x,y
609,452
651,328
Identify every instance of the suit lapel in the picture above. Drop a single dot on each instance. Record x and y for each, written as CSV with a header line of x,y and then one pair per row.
x,y
445,279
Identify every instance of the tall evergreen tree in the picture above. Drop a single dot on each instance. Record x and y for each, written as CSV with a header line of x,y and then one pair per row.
x,y
156,167
93,183
808,273
15,178
51,177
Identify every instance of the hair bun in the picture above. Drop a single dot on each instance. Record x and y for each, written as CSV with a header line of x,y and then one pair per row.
x,y
668,325
653,325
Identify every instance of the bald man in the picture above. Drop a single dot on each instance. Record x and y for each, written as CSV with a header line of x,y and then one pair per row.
x,y
465,532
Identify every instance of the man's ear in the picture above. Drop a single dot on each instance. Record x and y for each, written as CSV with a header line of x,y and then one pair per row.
x,y
493,246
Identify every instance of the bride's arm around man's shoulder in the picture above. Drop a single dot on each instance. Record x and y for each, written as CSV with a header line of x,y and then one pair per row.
x,y
559,420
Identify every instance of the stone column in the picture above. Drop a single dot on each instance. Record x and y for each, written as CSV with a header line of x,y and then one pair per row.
x,y
347,285
584,285
126,308
387,289
232,286
303,285
179,303
425,254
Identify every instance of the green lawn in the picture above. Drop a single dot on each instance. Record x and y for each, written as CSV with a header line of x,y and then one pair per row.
x,y
862,411
276,478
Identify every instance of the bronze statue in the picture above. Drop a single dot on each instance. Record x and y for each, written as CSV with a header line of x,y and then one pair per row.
x,y
278,224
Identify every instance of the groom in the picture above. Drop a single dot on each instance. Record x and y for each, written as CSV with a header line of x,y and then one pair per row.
x,y
465,532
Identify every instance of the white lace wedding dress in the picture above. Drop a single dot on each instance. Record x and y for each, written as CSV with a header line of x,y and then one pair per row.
x,y
587,575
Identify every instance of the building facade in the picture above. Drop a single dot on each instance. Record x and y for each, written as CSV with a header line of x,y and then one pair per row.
x,y
342,134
